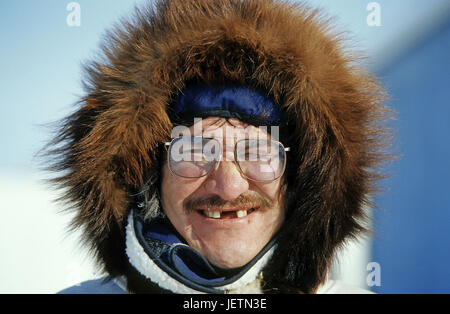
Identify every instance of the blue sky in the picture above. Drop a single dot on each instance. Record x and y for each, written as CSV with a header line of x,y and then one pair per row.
x,y
41,56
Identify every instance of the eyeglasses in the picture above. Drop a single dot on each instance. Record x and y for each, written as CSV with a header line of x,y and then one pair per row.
x,y
260,160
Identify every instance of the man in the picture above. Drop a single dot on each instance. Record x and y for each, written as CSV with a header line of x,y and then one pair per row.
x,y
224,146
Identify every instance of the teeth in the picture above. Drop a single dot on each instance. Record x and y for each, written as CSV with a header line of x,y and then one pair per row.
x,y
212,214
218,215
241,213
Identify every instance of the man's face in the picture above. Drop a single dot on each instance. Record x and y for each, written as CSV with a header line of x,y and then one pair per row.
x,y
228,242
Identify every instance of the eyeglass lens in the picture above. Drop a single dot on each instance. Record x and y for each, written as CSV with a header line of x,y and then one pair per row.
x,y
258,159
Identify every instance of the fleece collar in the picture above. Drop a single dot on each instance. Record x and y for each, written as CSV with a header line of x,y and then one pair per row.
x,y
158,254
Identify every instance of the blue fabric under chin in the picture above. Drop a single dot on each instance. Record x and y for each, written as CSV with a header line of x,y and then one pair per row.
x,y
180,257
201,100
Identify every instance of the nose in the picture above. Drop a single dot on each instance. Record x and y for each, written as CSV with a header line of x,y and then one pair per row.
x,y
226,181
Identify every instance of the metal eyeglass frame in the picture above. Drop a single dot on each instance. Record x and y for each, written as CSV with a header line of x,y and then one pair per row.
x,y
168,146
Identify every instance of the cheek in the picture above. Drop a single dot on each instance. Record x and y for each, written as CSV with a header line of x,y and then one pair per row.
x,y
169,186
271,189
174,190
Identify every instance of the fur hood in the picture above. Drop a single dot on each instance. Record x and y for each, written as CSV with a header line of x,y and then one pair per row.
x,y
105,150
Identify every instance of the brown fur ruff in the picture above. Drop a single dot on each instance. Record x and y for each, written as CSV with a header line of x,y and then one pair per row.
x,y
334,110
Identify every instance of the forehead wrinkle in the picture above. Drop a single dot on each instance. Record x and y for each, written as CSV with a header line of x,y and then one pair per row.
x,y
221,128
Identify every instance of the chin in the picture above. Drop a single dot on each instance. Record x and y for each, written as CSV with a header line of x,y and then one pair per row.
x,y
229,257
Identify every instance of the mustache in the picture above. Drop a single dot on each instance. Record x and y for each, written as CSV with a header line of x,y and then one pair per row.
x,y
248,200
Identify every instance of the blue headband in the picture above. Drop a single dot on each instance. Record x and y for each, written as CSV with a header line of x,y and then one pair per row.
x,y
252,106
